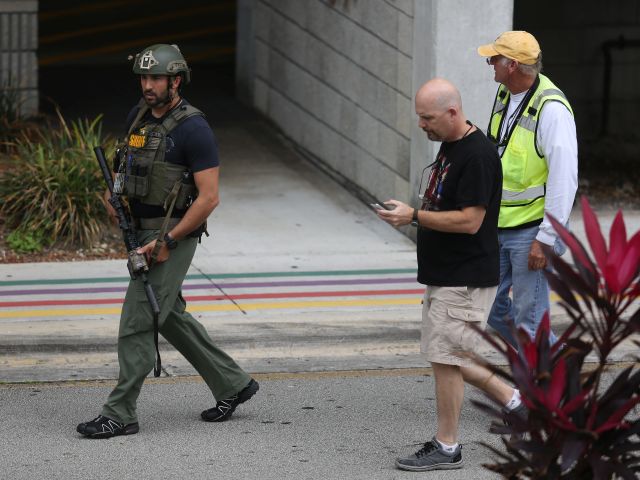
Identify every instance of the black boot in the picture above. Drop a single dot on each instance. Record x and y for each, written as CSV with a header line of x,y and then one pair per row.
x,y
224,408
104,427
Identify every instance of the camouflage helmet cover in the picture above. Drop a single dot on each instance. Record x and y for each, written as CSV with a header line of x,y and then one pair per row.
x,y
161,59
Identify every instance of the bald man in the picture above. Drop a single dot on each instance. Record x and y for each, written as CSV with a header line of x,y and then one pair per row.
x,y
457,261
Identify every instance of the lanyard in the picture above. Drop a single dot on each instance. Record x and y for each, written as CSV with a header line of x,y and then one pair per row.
x,y
513,120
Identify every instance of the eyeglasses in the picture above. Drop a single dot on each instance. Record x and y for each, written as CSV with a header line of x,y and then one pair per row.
x,y
497,58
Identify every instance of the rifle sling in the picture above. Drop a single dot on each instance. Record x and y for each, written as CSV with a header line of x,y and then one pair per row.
x,y
170,201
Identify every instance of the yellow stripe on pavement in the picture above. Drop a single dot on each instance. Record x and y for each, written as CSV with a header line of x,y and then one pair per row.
x,y
219,307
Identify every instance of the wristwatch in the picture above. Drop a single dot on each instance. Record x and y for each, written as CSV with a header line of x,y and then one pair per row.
x,y
414,220
170,242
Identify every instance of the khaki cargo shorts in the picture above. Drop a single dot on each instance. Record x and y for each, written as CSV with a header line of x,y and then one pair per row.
x,y
447,314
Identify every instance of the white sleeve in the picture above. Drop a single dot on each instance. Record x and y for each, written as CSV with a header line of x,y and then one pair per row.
x,y
556,137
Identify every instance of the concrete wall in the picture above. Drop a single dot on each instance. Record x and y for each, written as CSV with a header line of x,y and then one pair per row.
x,y
18,60
571,34
337,80
446,36
338,77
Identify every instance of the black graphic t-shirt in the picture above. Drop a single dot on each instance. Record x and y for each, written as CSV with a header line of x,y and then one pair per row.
x,y
468,173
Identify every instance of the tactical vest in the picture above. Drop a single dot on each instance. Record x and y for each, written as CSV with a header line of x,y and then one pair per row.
x,y
524,168
148,177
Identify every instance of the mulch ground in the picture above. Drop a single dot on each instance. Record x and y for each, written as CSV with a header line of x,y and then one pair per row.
x,y
108,247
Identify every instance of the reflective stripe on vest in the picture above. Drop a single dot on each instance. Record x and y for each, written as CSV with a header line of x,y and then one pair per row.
x,y
524,196
524,169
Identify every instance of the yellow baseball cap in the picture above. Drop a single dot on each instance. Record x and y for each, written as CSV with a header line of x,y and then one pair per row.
x,y
517,45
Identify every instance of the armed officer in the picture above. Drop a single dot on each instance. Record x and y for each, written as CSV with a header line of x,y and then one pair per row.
x,y
167,169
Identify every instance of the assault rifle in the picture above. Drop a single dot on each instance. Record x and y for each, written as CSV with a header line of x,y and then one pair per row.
x,y
137,264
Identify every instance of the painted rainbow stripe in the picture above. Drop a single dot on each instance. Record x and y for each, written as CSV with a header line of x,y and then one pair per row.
x,y
224,307
216,276
367,297
206,286
202,298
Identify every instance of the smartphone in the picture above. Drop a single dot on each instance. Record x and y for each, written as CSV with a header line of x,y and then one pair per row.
x,y
382,206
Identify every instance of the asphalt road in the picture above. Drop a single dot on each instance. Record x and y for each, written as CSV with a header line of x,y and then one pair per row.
x,y
348,425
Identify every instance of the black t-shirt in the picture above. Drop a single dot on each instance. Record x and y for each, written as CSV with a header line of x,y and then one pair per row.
x,y
473,178
191,144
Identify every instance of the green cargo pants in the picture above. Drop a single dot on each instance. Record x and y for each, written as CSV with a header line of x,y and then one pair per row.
x,y
136,350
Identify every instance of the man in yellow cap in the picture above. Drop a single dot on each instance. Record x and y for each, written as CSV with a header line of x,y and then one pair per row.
x,y
533,128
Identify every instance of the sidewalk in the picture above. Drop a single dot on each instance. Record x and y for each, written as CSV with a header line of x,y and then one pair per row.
x,y
297,275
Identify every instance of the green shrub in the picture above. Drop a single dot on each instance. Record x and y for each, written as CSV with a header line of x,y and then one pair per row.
x,y
26,242
54,185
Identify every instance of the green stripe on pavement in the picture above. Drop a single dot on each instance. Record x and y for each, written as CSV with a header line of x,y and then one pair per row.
x,y
72,281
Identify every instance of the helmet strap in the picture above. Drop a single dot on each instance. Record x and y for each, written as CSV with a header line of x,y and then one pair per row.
x,y
170,94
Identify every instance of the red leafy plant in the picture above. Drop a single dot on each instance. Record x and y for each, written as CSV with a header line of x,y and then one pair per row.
x,y
582,421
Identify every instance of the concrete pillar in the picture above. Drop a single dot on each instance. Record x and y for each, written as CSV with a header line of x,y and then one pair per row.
x,y
18,60
446,34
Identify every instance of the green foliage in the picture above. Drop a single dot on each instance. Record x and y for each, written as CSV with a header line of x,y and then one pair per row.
x,y
25,242
54,185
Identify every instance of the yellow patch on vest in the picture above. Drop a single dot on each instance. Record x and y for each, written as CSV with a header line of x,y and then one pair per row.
x,y
136,141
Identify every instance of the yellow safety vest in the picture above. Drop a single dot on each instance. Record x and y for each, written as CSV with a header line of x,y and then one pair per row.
x,y
524,168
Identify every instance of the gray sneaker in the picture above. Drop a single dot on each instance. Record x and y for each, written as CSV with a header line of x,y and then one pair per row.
x,y
431,457
521,412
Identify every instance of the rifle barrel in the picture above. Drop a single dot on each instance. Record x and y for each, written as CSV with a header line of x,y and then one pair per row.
x,y
106,173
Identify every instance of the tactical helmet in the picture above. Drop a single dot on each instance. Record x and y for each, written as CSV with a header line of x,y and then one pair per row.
x,y
161,59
